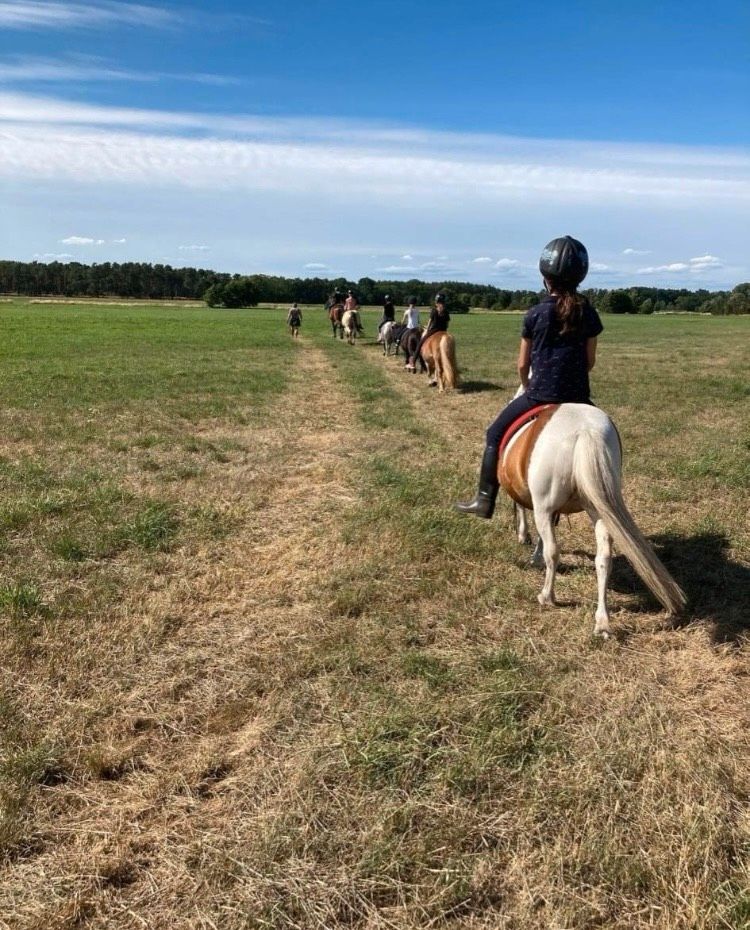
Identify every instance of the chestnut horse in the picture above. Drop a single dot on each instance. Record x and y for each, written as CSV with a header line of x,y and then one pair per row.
x,y
335,315
567,460
439,354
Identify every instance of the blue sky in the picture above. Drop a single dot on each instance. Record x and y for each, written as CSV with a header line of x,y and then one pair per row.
x,y
384,139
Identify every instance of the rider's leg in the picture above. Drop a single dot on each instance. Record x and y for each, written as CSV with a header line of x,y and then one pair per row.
x,y
483,504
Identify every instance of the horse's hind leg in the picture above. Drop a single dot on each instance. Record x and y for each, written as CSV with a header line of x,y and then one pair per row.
x,y
603,563
522,525
545,526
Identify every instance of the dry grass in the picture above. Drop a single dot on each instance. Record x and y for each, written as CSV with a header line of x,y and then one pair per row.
x,y
321,700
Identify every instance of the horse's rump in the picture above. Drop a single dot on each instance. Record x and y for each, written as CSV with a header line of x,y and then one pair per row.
x,y
439,352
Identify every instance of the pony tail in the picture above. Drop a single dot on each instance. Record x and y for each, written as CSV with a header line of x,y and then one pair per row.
x,y
569,311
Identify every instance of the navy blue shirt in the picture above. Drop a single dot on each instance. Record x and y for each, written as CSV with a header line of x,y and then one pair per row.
x,y
559,367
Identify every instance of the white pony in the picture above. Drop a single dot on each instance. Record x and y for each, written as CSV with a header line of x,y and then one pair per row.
x,y
570,460
351,324
387,338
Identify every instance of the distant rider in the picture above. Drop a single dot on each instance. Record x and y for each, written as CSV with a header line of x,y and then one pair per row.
x,y
411,322
389,312
438,323
351,303
558,348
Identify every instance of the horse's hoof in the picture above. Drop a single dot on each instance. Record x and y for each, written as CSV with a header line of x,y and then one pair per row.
x,y
546,601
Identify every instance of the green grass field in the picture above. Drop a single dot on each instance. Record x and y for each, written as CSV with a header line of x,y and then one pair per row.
x,y
257,674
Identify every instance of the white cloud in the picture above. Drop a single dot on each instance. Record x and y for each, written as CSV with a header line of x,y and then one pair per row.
x,y
693,265
636,252
119,241
598,267
294,155
705,261
31,14
81,240
398,270
52,256
316,266
19,69
482,260
194,248
673,268
507,263
405,258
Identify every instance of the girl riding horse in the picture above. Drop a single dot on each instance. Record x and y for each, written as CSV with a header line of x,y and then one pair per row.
x,y
558,346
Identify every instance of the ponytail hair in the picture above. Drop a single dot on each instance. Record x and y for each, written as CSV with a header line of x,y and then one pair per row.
x,y
569,309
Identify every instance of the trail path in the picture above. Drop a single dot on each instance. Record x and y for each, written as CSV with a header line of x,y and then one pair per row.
x,y
117,851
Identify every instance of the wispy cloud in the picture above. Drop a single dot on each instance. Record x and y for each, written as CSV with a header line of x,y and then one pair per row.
x,y
22,69
407,258
482,260
28,14
693,265
636,252
598,268
507,263
316,266
194,248
52,256
82,240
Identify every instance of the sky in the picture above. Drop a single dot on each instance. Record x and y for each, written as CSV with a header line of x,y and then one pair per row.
x,y
407,139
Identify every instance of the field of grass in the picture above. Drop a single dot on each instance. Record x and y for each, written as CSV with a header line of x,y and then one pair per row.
x,y
257,674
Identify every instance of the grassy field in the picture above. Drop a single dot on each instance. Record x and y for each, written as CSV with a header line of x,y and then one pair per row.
x,y
256,673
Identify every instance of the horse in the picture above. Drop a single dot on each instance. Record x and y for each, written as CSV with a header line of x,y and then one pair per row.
x,y
351,326
409,342
569,460
387,336
439,353
335,315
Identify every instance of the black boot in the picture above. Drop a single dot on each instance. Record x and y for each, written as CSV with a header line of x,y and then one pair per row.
x,y
483,504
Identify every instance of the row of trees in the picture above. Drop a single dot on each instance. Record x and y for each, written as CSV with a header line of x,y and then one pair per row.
x,y
141,280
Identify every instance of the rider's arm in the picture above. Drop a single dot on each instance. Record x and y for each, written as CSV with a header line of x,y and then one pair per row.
x,y
524,361
591,352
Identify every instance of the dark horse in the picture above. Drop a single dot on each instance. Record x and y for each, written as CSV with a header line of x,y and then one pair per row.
x,y
410,345
336,316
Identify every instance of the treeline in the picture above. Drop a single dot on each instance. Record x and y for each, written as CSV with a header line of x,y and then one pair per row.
x,y
146,281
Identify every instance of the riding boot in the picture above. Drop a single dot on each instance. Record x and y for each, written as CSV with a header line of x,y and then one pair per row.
x,y
483,504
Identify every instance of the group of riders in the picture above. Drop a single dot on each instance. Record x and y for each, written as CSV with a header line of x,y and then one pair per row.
x,y
557,351
402,332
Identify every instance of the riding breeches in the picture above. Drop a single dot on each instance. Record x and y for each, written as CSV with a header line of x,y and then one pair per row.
x,y
516,408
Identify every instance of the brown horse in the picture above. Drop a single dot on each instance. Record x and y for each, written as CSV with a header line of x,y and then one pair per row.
x,y
439,353
336,316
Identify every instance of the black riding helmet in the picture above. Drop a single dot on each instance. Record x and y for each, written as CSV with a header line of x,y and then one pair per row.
x,y
439,298
566,260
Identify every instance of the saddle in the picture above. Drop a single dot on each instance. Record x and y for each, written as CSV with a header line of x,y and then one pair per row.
x,y
513,468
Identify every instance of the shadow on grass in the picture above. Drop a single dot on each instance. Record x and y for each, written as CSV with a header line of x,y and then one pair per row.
x,y
717,587
478,387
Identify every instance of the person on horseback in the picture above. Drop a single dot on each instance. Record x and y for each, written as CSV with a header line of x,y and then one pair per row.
x,y
294,319
557,352
351,303
438,323
411,322
389,312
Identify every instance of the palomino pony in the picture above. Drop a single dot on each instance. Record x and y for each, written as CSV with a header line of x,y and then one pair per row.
x,y
567,460
335,315
439,353
350,325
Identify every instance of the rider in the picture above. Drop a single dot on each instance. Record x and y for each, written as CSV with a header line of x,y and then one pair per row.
x,y
294,317
389,312
558,350
438,323
411,321
351,303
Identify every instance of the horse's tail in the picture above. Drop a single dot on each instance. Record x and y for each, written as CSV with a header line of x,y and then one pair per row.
x,y
597,479
448,358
